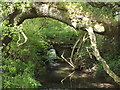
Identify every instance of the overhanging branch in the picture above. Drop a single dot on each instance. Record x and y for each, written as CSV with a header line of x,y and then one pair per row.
x,y
46,10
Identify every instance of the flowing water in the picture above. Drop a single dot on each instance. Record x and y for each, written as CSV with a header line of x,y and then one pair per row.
x,y
60,76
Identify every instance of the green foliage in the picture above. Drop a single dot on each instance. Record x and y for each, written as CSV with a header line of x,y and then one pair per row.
x,y
6,8
101,10
5,28
62,5
17,74
114,66
23,63
104,12
59,32
27,61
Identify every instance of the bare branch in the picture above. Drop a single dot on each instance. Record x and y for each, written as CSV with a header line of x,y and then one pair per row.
x,y
25,38
71,57
87,48
67,60
18,38
80,45
70,75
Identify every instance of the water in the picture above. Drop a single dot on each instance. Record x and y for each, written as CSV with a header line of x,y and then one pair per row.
x,y
71,79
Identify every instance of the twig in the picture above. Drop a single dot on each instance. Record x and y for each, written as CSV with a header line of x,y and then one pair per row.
x,y
71,57
67,60
87,48
83,40
80,45
67,76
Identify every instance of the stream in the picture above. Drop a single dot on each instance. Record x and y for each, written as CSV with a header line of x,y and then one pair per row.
x,y
59,75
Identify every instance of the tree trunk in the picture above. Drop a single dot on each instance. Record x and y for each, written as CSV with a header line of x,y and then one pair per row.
x,y
99,58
